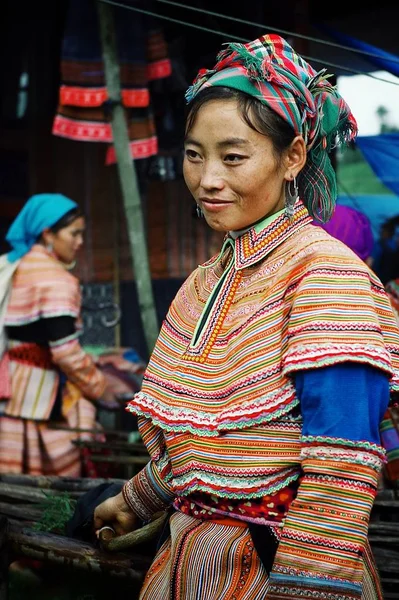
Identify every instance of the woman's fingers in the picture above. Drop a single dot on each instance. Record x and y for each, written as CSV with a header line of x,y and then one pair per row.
x,y
98,522
115,513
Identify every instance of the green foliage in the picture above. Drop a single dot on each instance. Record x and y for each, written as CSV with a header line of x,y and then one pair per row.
x,y
57,510
383,114
388,128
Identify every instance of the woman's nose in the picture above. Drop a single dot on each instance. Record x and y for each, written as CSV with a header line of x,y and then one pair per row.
x,y
211,176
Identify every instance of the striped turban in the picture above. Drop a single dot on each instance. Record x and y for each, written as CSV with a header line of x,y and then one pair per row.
x,y
272,72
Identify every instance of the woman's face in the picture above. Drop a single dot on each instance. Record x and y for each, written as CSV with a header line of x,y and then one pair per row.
x,y
68,240
231,169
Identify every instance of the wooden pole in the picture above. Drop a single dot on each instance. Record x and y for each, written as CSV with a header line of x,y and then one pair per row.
x,y
128,178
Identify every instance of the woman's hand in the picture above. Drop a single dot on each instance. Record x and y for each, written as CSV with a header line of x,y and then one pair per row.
x,y
115,513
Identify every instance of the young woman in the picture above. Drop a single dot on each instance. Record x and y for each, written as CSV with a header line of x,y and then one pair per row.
x,y
44,373
262,400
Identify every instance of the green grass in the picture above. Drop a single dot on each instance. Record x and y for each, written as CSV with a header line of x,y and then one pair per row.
x,y
359,178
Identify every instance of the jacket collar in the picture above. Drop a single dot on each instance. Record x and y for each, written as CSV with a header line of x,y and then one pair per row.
x,y
257,242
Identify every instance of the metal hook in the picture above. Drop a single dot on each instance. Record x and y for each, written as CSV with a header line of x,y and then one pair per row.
x,y
103,319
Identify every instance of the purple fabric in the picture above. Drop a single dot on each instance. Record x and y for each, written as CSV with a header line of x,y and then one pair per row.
x,y
353,229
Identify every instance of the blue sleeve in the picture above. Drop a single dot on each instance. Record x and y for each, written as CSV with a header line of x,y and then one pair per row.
x,y
347,400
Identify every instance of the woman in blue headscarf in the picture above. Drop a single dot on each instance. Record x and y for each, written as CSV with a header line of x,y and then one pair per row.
x,y
44,373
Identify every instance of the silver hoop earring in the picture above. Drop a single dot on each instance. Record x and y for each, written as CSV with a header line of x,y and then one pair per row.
x,y
49,248
291,196
200,214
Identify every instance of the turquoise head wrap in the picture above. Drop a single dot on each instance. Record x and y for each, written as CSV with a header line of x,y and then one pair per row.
x,y
39,213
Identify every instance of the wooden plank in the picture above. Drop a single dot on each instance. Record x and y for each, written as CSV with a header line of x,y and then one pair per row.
x,y
20,511
394,503
132,447
123,460
387,560
29,494
63,484
109,432
385,539
65,552
387,527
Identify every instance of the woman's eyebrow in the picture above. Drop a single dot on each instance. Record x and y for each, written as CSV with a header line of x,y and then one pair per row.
x,y
233,141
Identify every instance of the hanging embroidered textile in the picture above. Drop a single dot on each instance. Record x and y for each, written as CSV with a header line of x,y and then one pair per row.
x,y
83,112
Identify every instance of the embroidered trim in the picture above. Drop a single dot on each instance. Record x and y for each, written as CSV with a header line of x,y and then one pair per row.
x,y
310,356
308,575
231,487
92,97
159,69
65,340
170,418
306,587
337,454
199,351
343,442
141,496
42,315
292,592
252,247
138,149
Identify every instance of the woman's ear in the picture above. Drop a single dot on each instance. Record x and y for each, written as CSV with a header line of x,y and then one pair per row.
x,y
295,157
47,237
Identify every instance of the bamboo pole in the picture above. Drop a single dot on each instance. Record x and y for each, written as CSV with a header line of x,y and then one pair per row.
x,y
109,541
128,178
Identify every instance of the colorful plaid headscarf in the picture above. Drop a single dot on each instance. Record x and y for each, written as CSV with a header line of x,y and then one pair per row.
x,y
271,71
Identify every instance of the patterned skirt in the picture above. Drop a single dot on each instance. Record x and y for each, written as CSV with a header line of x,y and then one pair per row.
x,y
204,560
33,448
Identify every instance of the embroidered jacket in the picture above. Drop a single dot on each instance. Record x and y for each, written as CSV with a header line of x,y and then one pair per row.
x,y
218,409
42,290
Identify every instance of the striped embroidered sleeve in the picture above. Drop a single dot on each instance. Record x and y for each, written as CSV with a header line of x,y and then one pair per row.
x,y
339,312
78,367
324,538
149,491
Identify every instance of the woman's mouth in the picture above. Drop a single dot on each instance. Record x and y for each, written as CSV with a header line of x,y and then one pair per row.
x,y
216,205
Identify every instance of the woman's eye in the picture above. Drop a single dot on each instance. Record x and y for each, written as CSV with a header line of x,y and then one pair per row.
x,y
233,158
191,154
